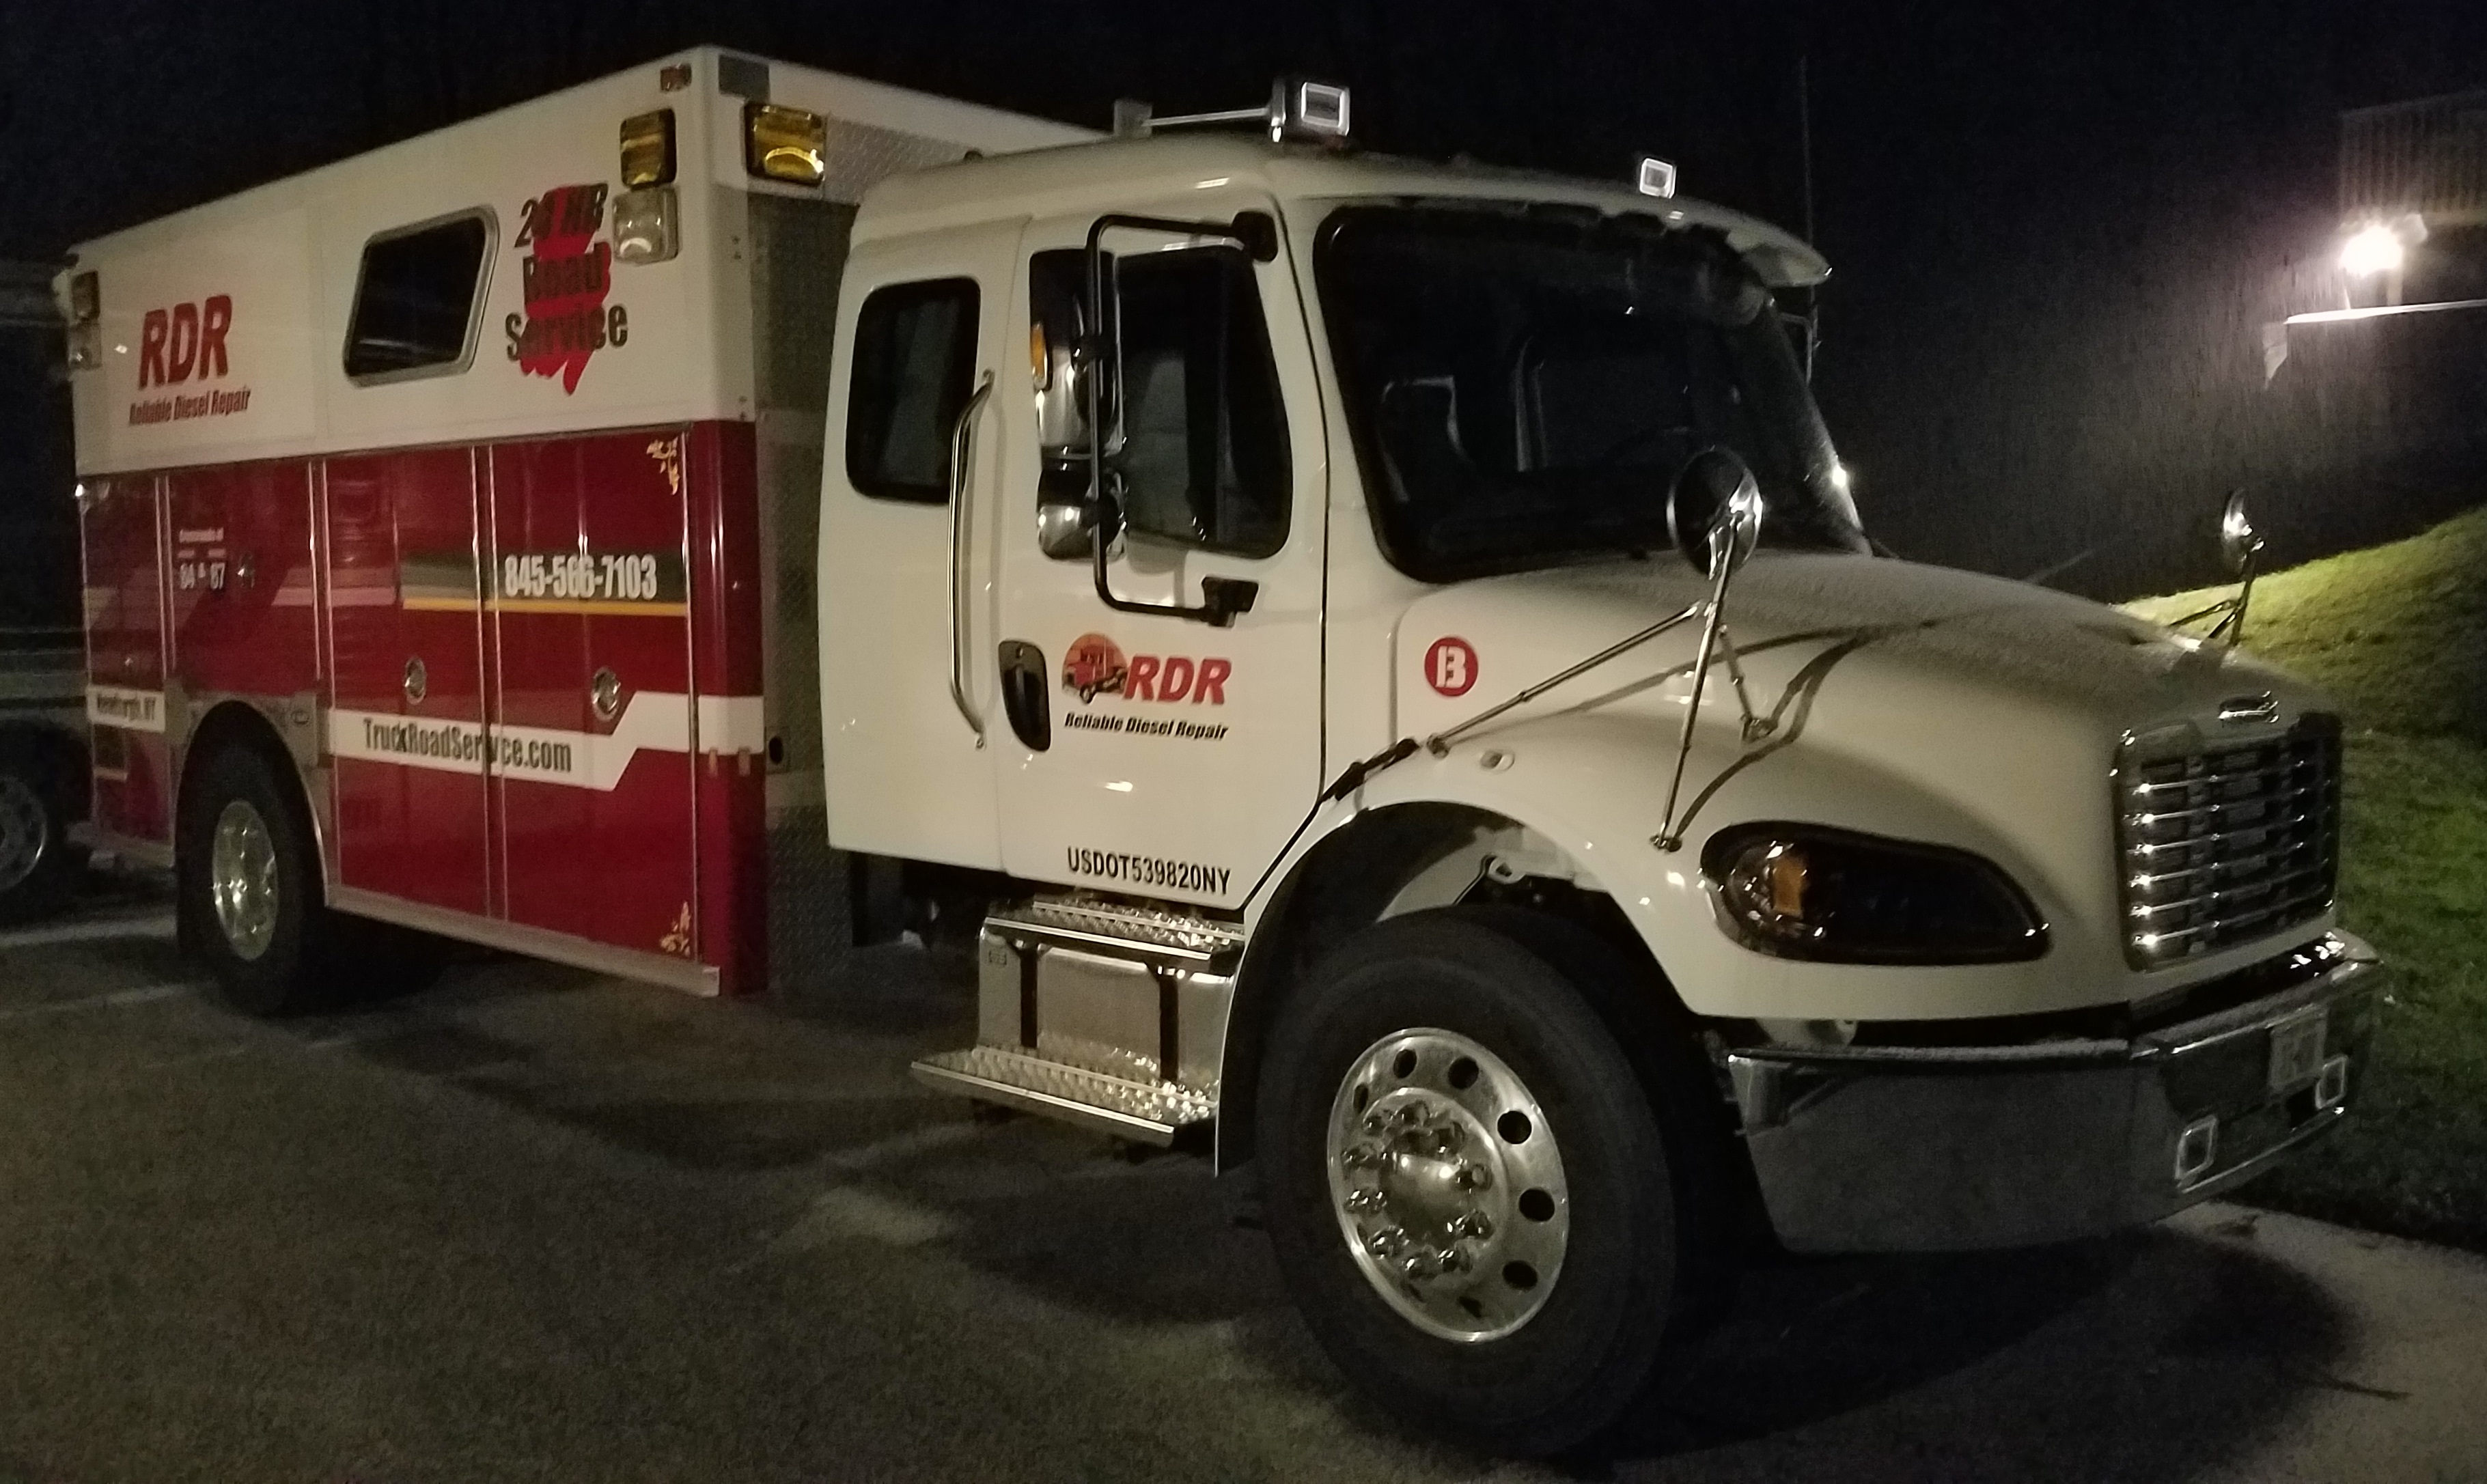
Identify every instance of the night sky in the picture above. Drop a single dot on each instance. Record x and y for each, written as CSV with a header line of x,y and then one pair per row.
x,y
2055,231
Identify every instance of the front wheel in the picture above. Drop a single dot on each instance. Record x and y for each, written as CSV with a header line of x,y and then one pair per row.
x,y
1468,1182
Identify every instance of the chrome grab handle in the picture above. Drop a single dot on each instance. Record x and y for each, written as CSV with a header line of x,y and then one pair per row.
x,y
962,441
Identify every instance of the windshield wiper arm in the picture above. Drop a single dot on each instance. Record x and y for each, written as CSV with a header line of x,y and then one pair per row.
x,y
1441,742
1353,777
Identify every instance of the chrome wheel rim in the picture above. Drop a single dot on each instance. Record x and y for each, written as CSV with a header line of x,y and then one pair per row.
x,y
1448,1185
241,879
25,831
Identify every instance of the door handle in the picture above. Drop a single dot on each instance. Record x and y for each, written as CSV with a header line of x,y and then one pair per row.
x,y
1023,700
961,443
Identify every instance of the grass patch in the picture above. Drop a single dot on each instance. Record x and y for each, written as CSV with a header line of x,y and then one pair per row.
x,y
2399,633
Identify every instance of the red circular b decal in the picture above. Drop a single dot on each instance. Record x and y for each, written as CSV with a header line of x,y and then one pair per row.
x,y
1451,666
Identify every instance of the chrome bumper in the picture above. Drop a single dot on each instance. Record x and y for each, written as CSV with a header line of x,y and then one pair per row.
x,y
1947,1148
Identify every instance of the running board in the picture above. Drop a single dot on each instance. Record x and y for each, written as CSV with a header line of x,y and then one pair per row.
x,y
1145,1113
1099,1012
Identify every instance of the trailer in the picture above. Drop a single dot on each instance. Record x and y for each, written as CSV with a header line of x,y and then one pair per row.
x,y
1380,657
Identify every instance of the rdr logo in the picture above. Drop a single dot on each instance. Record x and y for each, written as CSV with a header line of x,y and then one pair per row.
x,y
186,338
564,278
182,343
1095,665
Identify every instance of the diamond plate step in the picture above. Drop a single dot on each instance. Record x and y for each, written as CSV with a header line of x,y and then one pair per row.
x,y
1150,1113
1141,933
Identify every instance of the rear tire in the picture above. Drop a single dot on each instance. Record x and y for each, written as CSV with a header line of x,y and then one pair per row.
x,y
250,894
40,869
1470,1352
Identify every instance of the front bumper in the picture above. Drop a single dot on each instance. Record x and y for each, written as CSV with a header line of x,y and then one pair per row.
x,y
1874,1148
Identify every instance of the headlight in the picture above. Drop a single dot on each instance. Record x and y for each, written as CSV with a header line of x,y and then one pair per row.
x,y
1808,891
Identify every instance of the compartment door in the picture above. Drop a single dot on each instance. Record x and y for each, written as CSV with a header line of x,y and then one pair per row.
x,y
590,697
120,522
406,719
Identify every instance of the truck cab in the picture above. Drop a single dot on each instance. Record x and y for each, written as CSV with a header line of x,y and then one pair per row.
x,y
1263,561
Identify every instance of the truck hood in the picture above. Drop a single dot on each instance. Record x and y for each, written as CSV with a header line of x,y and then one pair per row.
x,y
1911,702
2006,639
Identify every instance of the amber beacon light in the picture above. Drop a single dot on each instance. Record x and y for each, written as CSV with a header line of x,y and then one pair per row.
x,y
785,144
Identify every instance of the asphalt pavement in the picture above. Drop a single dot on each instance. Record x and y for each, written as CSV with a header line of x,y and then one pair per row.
x,y
531,1224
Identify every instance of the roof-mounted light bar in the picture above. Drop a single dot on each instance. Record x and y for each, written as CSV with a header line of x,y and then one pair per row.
x,y
1299,109
1656,177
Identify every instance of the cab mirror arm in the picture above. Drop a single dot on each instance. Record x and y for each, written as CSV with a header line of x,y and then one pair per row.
x,y
1222,598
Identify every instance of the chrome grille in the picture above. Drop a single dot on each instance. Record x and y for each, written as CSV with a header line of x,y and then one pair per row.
x,y
2221,843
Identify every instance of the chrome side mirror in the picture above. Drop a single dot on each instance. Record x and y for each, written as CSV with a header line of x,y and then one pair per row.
x,y
1061,403
1715,514
1714,510
2239,541
2239,545
1065,526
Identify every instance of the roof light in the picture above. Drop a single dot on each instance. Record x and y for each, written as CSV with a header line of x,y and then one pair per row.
x,y
1657,176
2371,250
785,144
647,149
643,225
1303,109
86,299
2379,246
1299,109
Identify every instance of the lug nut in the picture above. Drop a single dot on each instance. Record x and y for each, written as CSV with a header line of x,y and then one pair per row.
x,y
1473,1177
1386,1242
1426,1263
1473,1224
1366,1202
1375,1123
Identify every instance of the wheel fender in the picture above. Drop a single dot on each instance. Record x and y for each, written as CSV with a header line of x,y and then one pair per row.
x,y
1414,836
236,723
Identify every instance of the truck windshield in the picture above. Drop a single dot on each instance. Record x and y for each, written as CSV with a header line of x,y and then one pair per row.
x,y
1524,381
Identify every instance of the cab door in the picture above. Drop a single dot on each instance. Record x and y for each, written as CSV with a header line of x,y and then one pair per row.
x,y
907,669
1152,747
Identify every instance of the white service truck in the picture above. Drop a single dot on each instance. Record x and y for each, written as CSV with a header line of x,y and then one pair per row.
x,y
1385,650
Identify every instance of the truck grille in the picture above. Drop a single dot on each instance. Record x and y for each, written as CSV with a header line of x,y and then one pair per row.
x,y
2224,843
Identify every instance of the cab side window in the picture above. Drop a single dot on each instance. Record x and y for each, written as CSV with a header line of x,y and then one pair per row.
x,y
1204,459
915,366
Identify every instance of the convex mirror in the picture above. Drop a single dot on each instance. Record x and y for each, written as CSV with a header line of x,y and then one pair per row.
x,y
1714,510
2239,541
1066,520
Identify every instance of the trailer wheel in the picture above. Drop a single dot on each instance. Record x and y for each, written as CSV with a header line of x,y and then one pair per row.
x,y
38,867
1467,1182
249,885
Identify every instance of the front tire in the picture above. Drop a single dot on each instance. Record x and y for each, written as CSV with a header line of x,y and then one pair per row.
x,y
1467,1182
248,879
